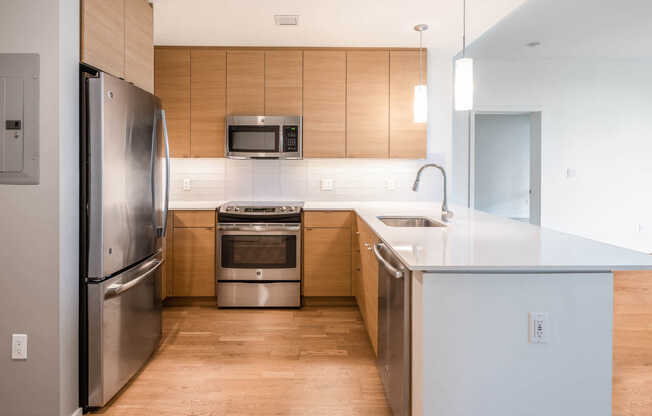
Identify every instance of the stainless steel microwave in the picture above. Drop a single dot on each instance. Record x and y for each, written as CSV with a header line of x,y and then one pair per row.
x,y
263,137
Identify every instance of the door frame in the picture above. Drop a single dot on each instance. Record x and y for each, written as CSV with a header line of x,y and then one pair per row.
x,y
536,121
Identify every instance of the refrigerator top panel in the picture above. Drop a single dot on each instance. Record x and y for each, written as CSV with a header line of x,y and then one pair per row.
x,y
123,209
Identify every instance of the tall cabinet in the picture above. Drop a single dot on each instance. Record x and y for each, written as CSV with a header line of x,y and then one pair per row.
x,y
207,102
324,103
367,103
117,37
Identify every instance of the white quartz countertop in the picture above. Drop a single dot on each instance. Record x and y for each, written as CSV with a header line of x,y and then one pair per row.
x,y
476,242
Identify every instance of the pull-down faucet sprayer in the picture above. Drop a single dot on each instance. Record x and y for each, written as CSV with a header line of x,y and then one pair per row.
x,y
446,215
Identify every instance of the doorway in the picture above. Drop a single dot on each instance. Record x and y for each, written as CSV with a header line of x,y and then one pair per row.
x,y
505,165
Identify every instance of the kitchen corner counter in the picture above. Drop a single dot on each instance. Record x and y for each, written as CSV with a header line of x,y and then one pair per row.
x,y
194,205
476,242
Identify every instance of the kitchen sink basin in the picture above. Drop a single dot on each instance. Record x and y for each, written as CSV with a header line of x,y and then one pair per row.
x,y
410,222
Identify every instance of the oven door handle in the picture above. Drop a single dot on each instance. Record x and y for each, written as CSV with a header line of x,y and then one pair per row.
x,y
259,227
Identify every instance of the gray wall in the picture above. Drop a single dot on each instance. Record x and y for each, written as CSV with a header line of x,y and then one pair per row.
x,y
38,276
502,164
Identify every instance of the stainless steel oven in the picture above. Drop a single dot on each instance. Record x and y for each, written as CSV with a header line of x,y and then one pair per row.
x,y
263,137
259,255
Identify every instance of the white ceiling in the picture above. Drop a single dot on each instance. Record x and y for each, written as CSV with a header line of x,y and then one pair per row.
x,y
323,22
571,28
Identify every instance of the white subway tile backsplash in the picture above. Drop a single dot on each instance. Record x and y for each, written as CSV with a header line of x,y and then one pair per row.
x,y
353,179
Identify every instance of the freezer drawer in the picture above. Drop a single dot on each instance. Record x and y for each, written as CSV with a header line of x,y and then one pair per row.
x,y
124,328
257,295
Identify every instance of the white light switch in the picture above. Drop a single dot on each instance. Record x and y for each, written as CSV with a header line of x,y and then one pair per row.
x,y
571,173
19,347
186,184
326,184
539,327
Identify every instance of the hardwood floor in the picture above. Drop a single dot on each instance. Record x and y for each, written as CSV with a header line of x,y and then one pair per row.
x,y
312,361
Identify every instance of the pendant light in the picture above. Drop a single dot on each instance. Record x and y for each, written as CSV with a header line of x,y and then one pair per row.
x,y
464,75
420,110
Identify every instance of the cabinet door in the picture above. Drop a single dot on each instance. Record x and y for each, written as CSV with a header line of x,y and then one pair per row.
x,y
172,86
283,83
327,262
103,35
407,139
139,44
194,262
369,282
367,104
207,102
324,104
245,82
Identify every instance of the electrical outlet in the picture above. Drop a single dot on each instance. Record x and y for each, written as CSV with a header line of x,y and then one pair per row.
x,y
390,184
326,184
19,347
186,184
571,173
539,327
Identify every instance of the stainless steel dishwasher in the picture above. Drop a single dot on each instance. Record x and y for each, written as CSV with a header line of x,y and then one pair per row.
x,y
394,330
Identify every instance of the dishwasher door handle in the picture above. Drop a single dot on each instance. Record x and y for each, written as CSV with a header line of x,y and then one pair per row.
x,y
394,271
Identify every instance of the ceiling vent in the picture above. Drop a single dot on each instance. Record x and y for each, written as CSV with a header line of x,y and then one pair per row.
x,y
286,19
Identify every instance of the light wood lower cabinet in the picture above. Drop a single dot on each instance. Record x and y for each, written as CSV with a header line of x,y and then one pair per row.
x,y
193,251
327,253
327,262
367,296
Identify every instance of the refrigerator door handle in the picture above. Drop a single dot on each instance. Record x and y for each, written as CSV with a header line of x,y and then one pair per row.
x,y
117,288
166,207
394,272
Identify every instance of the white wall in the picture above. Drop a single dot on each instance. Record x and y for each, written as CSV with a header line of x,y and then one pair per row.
x,y
595,121
502,164
476,358
38,266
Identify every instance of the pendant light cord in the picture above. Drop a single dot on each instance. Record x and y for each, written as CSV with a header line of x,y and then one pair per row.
x,y
420,58
463,28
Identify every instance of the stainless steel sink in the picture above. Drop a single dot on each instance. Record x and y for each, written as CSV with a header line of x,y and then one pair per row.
x,y
410,222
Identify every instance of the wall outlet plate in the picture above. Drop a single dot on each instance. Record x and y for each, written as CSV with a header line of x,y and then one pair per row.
x,y
187,186
19,347
539,327
326,184
390,184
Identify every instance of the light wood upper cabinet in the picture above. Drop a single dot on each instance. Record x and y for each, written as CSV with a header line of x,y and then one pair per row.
x,y
327,262
407,139
172,86
324,104
207,102
367,104
103,35
139,44
283,82
245,82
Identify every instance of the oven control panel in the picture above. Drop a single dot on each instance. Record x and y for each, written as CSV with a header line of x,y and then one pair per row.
x,y
291,139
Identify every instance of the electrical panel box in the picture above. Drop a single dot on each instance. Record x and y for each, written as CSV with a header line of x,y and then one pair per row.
x,y
19,119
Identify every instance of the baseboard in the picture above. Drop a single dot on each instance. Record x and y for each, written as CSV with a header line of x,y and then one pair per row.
x,y
204,301
78,412
329,301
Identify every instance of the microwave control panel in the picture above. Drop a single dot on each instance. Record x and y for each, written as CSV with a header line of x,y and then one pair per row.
x,y
290,139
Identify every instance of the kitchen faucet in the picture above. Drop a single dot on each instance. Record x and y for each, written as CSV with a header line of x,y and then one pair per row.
x,y
446,215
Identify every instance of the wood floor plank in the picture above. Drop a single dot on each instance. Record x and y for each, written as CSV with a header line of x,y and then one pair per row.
x,y
312,361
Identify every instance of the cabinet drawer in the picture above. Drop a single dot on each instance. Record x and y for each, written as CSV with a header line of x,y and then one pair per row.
x,y
191,219
327,219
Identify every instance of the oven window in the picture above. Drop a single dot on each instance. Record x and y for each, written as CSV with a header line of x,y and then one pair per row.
x,y
259,251
253,139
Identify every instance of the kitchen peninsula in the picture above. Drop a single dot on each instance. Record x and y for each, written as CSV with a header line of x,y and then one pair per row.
x,y
479,284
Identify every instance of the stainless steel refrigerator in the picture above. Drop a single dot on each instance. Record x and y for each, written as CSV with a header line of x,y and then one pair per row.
x,y
124,202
